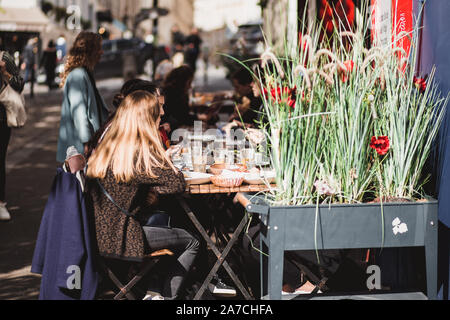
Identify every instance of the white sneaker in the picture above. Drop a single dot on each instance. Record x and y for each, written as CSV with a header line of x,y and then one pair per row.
x,y
219,288
153,296
284,293
4,214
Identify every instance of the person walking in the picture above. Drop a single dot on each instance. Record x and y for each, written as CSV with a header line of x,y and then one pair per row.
x,y
8,70
193,42
30,63
83,109
48,61
128,166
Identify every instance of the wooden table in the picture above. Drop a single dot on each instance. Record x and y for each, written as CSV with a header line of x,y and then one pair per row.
x,y
212,189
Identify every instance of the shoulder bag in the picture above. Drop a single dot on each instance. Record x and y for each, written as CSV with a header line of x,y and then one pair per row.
x,y
14,103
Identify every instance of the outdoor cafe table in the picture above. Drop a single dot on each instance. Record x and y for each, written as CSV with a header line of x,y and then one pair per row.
x,y
221,256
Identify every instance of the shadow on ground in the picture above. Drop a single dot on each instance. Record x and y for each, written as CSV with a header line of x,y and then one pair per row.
x,y
20,288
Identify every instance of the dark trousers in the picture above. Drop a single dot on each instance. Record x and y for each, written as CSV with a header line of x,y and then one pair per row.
x,y
184,246
5,135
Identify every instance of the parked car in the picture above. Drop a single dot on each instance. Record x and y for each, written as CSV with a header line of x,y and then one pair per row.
x,y
121,55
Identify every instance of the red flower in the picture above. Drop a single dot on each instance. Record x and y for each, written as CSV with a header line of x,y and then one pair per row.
x,y
380,144
349,65
284,94
420,84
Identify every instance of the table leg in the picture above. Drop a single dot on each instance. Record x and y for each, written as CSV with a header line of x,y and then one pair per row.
x,y
221,260
220,256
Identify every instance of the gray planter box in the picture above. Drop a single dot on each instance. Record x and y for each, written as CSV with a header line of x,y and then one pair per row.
x,y
348,226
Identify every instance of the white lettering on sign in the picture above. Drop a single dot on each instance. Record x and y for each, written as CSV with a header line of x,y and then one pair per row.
x,y
382,22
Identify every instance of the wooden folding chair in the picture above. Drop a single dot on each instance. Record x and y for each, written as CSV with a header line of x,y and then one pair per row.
x,y
147,264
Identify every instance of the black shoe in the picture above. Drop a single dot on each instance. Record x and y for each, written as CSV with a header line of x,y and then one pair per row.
x,y
218,288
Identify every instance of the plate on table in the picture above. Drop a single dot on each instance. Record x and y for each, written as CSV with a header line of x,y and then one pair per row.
x,y
197,177
259,178
202,137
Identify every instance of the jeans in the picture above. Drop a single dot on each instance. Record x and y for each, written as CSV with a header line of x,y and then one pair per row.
x,y
184,246
5,134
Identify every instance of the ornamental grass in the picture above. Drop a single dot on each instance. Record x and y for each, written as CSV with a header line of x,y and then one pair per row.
x,y
347,123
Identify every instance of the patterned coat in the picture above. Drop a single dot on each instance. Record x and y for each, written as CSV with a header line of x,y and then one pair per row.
x,y
120,236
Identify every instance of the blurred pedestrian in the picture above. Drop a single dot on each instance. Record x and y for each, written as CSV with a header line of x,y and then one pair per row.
x,y
205,56
178,39
61,47
30,60
8,70
83,109
192,43
48,61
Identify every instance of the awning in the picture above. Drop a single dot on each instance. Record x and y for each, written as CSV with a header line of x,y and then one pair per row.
x,y
22,20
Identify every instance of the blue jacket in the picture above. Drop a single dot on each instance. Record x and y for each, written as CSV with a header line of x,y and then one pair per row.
x,y
79,113
65,244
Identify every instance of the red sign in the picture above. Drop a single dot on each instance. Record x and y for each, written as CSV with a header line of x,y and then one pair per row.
x,y
402,23
391,18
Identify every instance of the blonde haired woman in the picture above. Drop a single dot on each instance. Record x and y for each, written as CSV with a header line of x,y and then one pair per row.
x,y
83,109
129,164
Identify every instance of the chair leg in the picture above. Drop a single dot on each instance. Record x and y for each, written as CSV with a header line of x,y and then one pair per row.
x,y
125,290
117,282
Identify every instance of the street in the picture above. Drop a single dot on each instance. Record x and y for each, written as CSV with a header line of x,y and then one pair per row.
x,y
31,164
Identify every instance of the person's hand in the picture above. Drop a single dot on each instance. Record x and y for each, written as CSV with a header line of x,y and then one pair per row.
x,y
172,150
227,128
166,127
76,163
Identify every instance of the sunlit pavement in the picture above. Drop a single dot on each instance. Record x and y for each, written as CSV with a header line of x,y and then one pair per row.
x,y
31,166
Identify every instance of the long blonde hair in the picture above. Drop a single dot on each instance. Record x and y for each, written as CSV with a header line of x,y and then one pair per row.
x,y
132,144
84,53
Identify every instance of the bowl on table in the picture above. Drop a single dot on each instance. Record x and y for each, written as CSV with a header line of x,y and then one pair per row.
x,y
216,169
226,181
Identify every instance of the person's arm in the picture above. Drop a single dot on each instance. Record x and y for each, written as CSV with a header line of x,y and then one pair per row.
x,y
167,182
78,101
15,80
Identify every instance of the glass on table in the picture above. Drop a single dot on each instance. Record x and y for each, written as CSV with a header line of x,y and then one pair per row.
x,y
248,157
229,159
199,162
220,156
